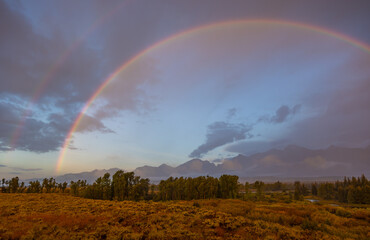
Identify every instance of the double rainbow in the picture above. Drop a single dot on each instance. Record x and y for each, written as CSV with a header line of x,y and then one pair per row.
x,y
191,31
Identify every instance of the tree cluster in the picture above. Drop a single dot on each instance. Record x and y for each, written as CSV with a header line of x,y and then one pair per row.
x,y
12,185
198,188
277,186
300,190
122,186
355,190
48,185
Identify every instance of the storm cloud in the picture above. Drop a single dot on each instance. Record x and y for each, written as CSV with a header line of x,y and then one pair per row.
x,y
221,133
37,135
37,85
46,78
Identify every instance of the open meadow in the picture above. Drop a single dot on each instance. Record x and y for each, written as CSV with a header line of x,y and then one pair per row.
x,y
62,216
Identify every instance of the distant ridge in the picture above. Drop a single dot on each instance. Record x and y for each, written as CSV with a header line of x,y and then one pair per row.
x,y
90,177
289,164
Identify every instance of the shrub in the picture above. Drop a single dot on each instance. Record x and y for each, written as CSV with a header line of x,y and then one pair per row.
x,y
309,225
342,213
196,204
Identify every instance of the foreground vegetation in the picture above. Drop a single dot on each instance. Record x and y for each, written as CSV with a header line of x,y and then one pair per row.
x,y
62,216
126,206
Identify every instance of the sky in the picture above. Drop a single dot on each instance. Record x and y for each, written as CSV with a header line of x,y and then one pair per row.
x,y
155,82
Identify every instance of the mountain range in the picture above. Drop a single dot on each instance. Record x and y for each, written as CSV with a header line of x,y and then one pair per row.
x,y
293,162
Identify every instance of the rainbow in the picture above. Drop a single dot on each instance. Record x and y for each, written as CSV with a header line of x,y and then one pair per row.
x,y
191,31
55,68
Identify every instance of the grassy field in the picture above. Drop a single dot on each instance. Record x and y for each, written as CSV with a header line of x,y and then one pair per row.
x,y
58,216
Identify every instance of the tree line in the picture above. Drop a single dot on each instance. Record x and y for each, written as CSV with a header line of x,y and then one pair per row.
x,y
351,190
48,185
126,186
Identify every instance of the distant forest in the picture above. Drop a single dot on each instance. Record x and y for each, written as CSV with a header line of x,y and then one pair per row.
x,y
126,186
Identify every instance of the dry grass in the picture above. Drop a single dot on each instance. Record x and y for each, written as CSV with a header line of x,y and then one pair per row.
x,y
58,216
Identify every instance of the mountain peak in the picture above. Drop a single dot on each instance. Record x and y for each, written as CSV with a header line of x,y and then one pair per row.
x,y
195,166
195,160
164,165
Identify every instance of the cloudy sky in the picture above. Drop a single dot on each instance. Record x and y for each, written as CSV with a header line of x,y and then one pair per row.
x,y
204,79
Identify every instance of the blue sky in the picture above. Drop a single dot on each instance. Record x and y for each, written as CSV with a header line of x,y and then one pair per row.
x,y
213,94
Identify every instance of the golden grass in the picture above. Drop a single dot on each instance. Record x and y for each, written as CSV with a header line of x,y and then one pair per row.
x,y
59,216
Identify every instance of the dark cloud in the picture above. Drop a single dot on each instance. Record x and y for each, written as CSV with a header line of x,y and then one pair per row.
x,y
40,136
37,135
282,114
4,148
221,133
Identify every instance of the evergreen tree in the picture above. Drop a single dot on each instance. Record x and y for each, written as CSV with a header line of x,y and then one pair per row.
x,y
298,195
314,189
14,185
259,185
